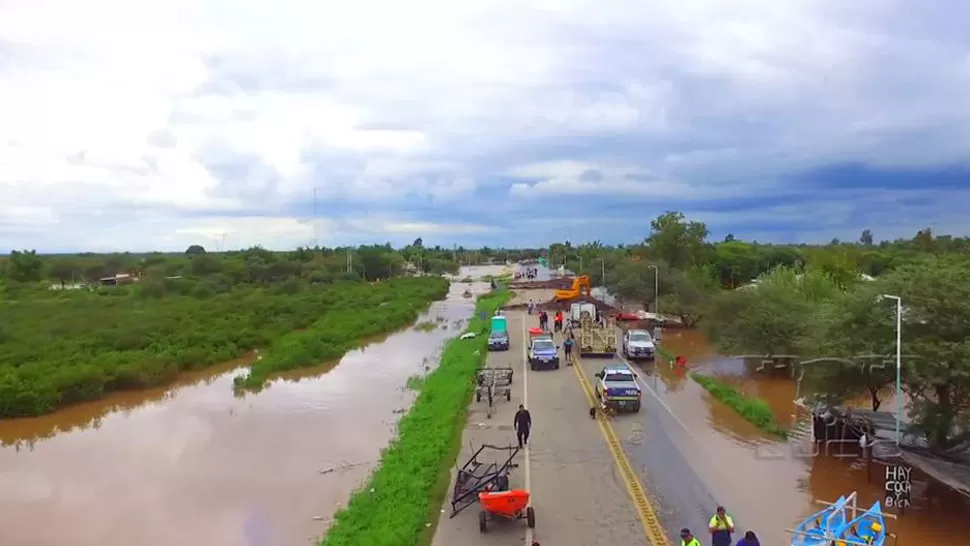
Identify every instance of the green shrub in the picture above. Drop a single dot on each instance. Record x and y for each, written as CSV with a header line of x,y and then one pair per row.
x,y
63,347
409,485
345,325
754,410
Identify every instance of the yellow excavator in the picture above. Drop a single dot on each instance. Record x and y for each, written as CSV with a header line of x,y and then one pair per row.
x,y
580,285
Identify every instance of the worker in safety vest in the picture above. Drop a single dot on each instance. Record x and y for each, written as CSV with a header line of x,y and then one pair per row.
x,y
721,527
688,539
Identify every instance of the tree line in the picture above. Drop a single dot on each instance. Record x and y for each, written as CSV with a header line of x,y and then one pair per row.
x,y
222,269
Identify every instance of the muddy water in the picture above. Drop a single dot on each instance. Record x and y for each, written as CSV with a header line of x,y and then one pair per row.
x,y
196,464
771,485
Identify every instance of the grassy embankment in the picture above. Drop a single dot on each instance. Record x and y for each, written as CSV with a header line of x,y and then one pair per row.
x,y
406,490
345,324
753,409
64,347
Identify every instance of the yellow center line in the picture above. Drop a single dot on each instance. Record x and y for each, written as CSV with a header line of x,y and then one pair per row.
x,y
648,516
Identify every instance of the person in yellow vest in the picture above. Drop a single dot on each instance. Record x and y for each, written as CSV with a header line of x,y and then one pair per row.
x,y
721,527
688,539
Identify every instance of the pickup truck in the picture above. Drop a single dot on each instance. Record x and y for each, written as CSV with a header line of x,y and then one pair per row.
x,y
638,344
617,388
543,353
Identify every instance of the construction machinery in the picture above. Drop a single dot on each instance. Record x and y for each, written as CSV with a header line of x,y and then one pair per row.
x,y
580,286
597,339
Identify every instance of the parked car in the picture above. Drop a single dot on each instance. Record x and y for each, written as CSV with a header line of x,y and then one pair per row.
x,y
498,341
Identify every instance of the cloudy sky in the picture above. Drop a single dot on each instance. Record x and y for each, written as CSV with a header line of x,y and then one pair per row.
x,y
128,124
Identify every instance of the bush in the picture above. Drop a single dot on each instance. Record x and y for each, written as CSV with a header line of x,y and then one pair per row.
x,y
754,410
63,347
409,485
346,324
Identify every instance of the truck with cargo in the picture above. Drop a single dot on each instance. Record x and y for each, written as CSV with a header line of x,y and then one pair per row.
x,y
597,338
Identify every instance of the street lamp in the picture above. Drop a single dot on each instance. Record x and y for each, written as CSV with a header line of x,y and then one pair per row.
x,y
603,271
899,360
656,290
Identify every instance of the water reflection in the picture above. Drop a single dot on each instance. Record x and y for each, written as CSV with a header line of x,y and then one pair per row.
x,y
194,464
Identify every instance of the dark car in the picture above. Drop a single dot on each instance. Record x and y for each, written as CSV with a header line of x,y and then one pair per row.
x,y
498,341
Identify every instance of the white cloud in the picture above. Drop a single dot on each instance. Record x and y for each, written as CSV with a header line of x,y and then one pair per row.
x,y
146,115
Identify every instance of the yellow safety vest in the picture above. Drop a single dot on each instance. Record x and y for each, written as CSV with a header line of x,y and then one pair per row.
x,y
721,525
693,542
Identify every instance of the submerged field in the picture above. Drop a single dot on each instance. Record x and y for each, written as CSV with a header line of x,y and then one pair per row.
x,y
64,347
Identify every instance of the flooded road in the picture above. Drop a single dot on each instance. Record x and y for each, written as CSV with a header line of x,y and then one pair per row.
x,y
769,484
196,464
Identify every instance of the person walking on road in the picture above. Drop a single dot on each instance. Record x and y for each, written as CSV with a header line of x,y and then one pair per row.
x,y
543,320
721,527
750,539
522,423
567,348
687,538
558,321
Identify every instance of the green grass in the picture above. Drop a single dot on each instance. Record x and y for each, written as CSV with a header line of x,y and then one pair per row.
x,y
754,410
345,324
405,492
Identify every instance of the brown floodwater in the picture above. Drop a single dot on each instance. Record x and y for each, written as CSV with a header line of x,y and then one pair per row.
x,y
196,463
771,484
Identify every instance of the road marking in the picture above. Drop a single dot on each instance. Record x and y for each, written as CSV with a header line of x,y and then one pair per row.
x,y
648,516
525,402
643,381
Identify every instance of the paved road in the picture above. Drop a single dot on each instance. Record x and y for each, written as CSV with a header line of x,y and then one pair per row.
x,y
579,495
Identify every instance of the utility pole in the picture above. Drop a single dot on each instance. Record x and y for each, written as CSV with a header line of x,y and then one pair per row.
x,y
350,261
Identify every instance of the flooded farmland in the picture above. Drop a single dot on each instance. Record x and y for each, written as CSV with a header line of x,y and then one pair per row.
x,y
196,463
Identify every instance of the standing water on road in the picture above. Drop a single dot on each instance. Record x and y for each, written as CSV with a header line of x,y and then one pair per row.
x,y
195,464
730,452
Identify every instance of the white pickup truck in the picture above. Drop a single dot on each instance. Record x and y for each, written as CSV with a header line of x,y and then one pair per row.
x,y
639,345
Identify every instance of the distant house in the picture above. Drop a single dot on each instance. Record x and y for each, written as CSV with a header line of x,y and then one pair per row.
x,y
117,280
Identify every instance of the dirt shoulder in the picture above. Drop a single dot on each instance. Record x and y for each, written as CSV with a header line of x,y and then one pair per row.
x,y
576,492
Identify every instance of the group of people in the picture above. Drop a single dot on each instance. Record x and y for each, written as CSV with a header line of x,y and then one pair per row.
x,y
721,528
557,320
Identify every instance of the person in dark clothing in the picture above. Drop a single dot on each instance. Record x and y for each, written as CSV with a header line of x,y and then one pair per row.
x,y
522,423
543,320
750,539
567,347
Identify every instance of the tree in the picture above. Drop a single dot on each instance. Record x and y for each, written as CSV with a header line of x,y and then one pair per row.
x,y
687,294
775,316
936,299
676,241
866,237
25,266
64,269
634,281
195,250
